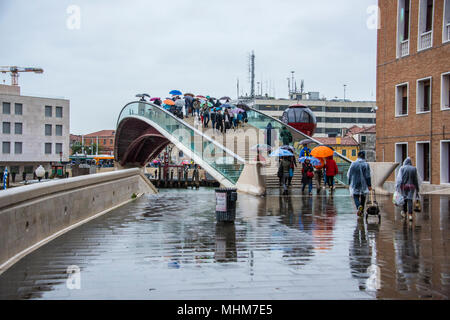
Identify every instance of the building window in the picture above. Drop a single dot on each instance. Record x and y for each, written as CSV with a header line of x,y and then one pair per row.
x,y
333,120
104,142
344,152
446,28
445,161
403,26
316,108
58,148
332,109
401,100
48,111
363,139
423,95
58,130
445,90
401,153
6,147
353,153
18,147
425,24
6,128
18,128
111,141
14,169
59,112
28,169
48,148
423,160
18,108
48,129
6,108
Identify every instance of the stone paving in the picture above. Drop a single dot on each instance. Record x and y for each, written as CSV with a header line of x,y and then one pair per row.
x,y
168,246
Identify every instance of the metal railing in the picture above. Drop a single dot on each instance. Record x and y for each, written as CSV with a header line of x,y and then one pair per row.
x,y
207,149
404,48
425,40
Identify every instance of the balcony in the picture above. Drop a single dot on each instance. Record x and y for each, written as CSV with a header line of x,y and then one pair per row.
x,y
404,48
425,40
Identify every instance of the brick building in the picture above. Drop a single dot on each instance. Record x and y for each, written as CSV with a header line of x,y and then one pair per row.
x,y
347,146
105,139
413,86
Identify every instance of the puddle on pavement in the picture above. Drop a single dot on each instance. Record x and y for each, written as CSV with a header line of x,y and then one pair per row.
x,y
169,246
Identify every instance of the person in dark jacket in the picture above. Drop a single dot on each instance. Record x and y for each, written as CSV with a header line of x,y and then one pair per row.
x,y
307,175
213,118
285,165
219,121
286,136
269,134
331,170
292,168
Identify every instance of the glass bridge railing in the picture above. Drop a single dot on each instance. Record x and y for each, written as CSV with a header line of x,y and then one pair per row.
x,y
260,120
224,161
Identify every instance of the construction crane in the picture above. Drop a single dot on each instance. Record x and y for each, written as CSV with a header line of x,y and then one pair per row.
x,y
15,72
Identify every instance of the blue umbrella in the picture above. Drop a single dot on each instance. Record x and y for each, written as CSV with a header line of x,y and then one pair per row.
x,y
281,153
226,105
314,161
175,92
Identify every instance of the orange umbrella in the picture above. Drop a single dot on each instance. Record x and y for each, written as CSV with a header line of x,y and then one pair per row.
x,y
322,152
169,102
321,165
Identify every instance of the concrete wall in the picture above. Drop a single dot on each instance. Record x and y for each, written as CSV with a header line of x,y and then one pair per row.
x,y
35,214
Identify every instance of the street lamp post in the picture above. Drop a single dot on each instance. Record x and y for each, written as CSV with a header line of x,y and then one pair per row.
x,y
40,172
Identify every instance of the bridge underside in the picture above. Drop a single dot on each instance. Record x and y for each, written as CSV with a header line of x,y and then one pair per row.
x,y
137,143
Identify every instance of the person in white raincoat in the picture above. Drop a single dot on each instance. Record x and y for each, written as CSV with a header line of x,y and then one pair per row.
x,y
359,181
408,184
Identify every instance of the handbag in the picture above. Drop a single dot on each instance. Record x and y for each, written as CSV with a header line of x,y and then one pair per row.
x,y
417,204
310,174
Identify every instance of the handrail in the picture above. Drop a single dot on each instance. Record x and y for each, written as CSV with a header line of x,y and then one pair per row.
x,y
186,125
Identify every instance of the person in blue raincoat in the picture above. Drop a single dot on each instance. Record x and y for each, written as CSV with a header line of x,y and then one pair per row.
x,y
359,181
407,184
305,151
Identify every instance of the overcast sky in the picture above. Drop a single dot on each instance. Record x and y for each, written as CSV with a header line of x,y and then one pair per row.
x,y
201,46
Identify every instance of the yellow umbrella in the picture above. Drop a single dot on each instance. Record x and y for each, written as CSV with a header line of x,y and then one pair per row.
x,y
322,152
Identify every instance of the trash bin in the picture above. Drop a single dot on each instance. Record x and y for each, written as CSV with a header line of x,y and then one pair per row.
x,y
226,204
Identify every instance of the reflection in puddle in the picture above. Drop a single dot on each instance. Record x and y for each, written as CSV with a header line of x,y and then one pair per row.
x,y
169,246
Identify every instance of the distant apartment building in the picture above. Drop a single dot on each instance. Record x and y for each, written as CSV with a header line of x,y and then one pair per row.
x,y
413,86
104,139
347,146
33,131
366,138
332,115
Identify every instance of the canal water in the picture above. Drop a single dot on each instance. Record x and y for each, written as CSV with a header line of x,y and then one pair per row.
x,y
168,246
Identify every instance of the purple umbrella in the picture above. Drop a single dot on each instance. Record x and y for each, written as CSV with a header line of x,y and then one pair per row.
x,y
155,98
237,110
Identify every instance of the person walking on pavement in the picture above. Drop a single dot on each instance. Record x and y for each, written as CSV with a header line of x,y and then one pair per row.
x,y
331,169
307,176
219,121
359,181
407,184
196,105
285,166
292,168
286,136
206,115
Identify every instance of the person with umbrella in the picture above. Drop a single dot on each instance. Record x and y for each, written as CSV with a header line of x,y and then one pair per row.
x,y
331,170
286,136
307,175
359,181
219,120
285,165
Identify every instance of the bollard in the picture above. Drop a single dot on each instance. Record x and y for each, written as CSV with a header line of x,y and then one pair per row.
x,y
226,204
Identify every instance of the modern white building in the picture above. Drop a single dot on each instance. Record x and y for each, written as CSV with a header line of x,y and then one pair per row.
x,y
33,131
332,115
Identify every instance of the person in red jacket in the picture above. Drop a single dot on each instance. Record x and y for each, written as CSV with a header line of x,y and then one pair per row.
x,y
331,169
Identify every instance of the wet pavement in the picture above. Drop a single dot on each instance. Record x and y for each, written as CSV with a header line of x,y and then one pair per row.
x,y
168,246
